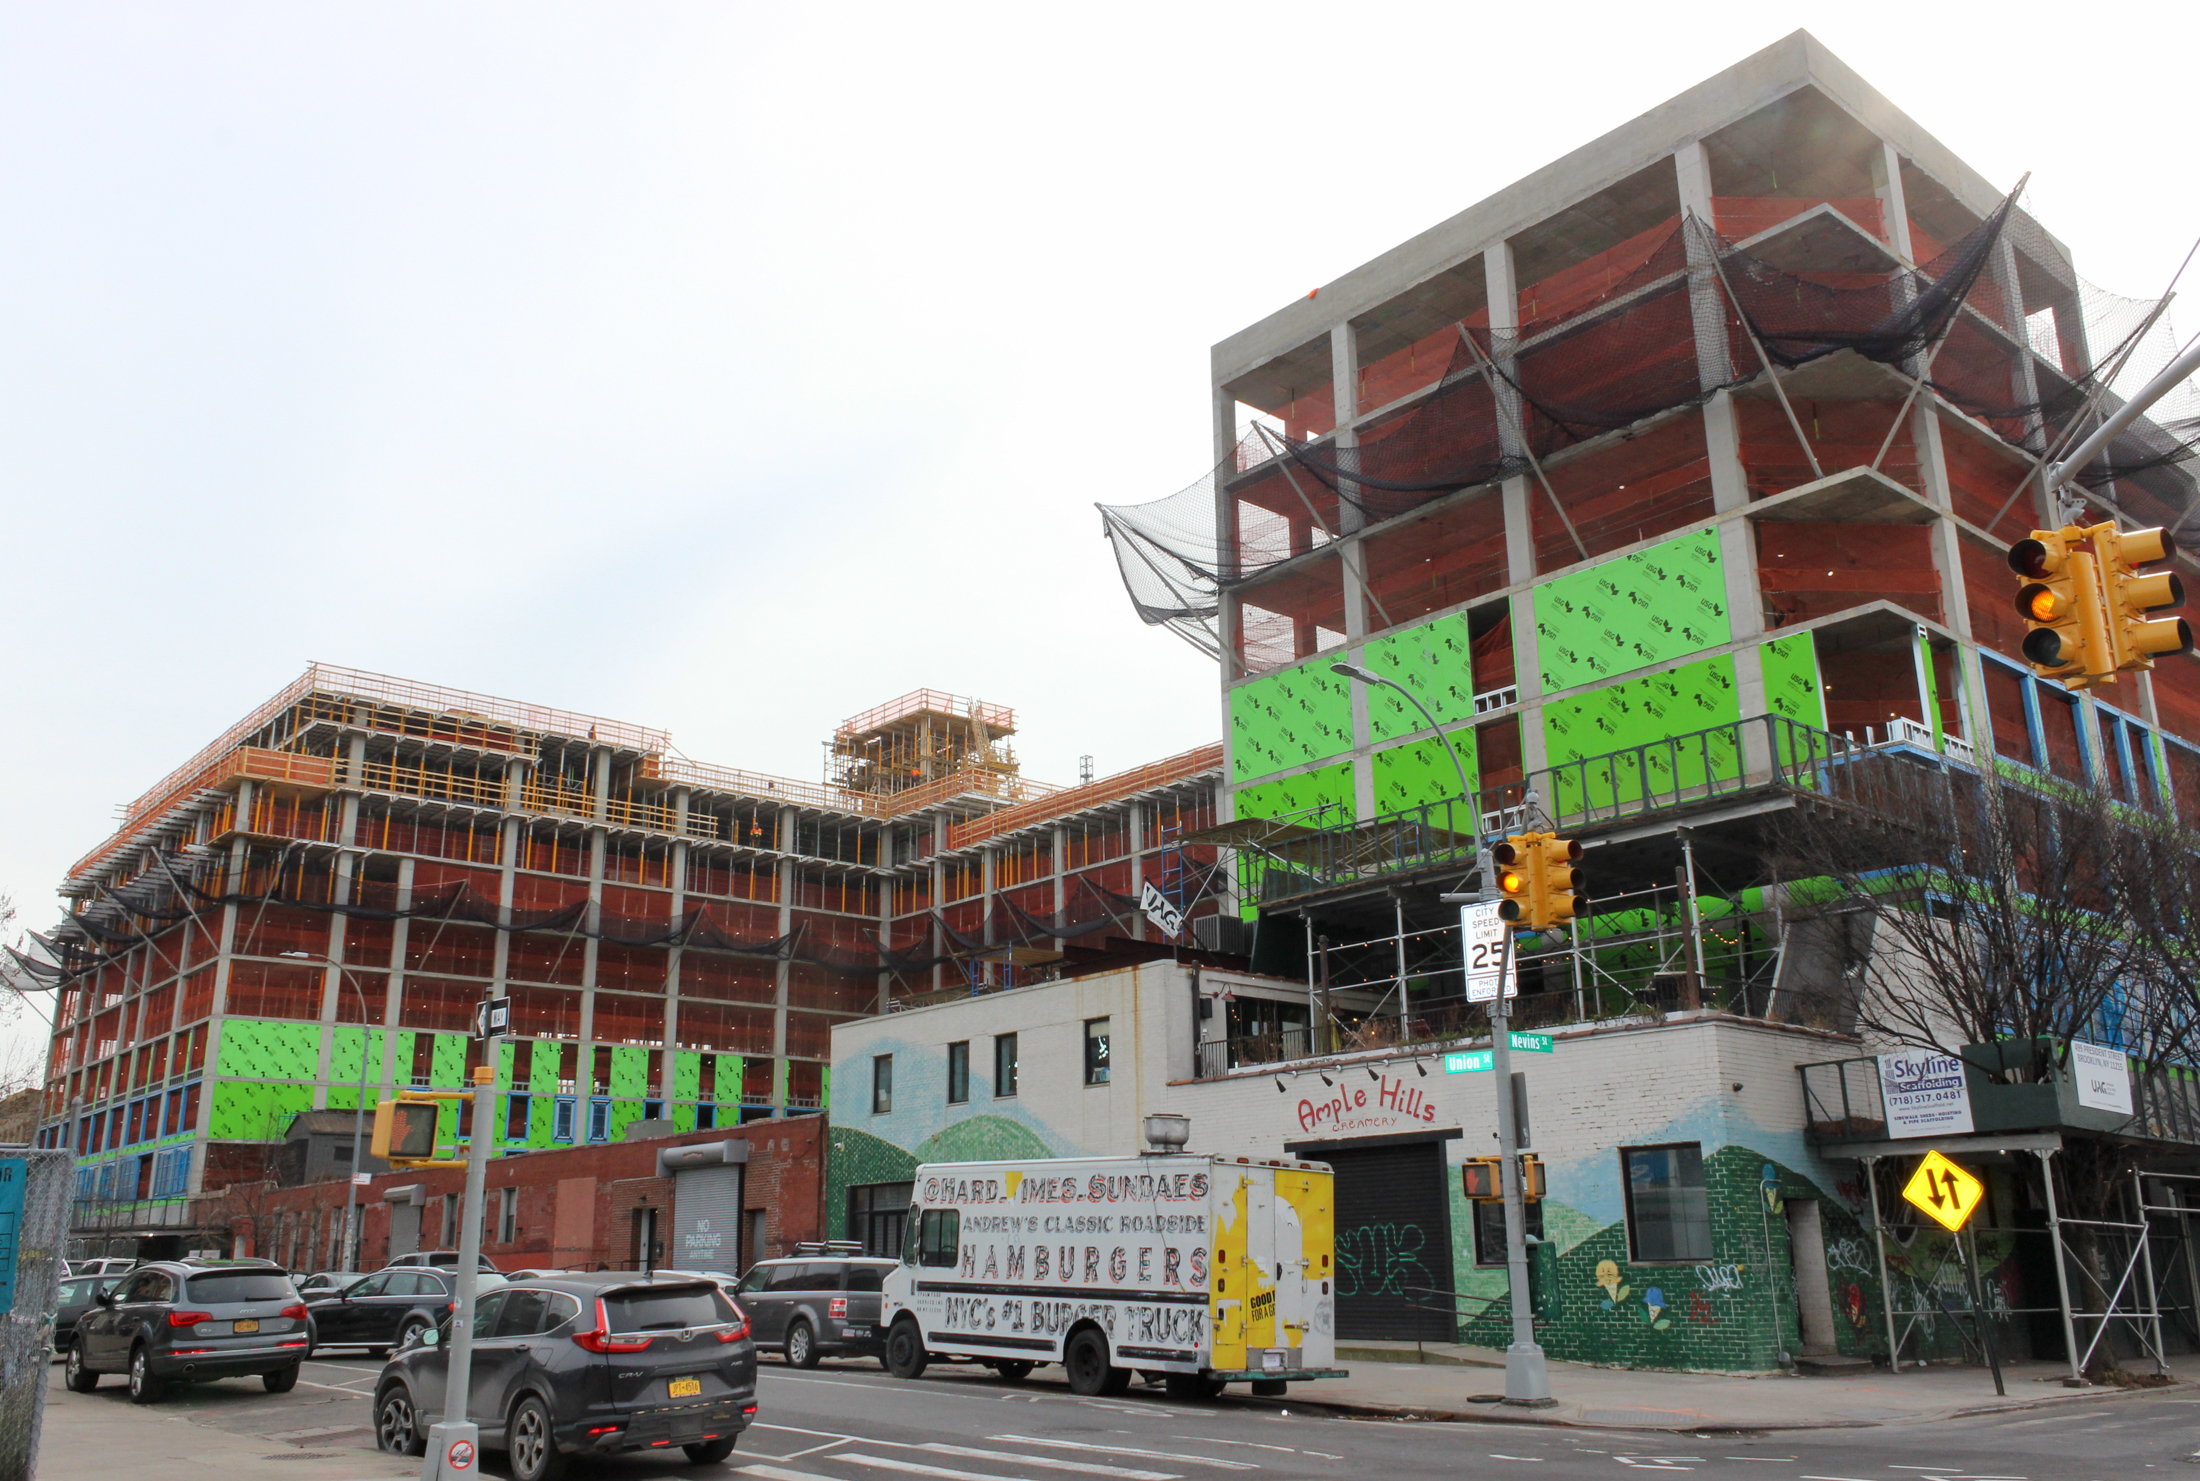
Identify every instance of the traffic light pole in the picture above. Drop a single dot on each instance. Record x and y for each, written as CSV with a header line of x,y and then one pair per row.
x,y
1527,1378
454,1445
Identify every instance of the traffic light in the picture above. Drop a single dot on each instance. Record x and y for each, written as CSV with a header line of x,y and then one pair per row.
x,y
1481,1180
1537,880
2133,635
404,1130
1556,900
2060,601
1515,878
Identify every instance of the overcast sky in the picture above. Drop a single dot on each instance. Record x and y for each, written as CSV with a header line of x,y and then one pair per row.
x,y
734,367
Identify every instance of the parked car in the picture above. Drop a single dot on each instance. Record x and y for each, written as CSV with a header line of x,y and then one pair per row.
x,y
389,1307
815,1307
78,1295
193,1319
436,1260
107,1265
584,1364
323,1282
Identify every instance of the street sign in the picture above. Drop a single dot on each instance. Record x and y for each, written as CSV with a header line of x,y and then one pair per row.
x,y
1532,1043
1483,933
1944,1192
1471,1062
492,1018
1166,918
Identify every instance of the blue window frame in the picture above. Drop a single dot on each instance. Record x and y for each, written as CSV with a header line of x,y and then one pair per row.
x,y
561,1119
599,1120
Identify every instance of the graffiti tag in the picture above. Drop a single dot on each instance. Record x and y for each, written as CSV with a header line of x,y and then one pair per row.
x,y
1847,1254
1720,1277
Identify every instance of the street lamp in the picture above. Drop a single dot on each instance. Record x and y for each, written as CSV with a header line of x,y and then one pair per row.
x,y
359,1107
1369,676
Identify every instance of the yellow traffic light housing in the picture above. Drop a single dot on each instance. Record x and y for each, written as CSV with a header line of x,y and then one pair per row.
x,y
2135,637
2060,602
1537,880
1516,863
404,1128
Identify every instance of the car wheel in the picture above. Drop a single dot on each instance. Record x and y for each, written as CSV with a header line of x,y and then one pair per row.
x,y
80,1379
710,1452
1090,1372
145,1386
529,1445
905,1354
801,1346
394,1423
1013,1370
1194,1386
282,1380
410,1332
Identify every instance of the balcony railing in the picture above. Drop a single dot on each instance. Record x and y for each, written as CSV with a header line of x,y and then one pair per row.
x,y
1842,1099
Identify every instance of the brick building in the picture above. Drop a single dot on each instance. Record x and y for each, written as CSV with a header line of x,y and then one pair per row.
x,y
575,1208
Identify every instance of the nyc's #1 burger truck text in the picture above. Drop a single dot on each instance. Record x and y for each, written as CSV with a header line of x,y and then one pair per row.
x,y
1210,1270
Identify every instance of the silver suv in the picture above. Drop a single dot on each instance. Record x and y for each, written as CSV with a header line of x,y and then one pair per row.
x,y
189,1320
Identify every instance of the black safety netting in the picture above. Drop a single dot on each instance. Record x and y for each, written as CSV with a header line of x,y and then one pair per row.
x,y
1696,315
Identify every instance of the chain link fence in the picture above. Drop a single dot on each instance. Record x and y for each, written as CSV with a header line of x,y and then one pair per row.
x,y
35,1188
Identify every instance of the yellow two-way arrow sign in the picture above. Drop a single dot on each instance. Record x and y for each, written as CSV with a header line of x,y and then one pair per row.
x,y
1944,1192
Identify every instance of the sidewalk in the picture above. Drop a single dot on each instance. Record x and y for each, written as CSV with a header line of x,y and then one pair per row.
x,y
102,1436
1446,1387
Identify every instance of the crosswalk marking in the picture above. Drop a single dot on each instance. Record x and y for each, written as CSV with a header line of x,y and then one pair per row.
x,y
1182,1460
776,1473
888,1463
1049,1463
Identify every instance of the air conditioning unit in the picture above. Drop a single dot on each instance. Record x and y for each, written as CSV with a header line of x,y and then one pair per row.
x,y
1224,934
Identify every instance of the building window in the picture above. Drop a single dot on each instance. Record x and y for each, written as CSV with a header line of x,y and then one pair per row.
x,y
507,1215
958,1073
515,1118
882,1084
706,1117
599,1120
653,1110
1489,1229
449,1234
341,1151
1096,1051
939,1235
1668,1213
1004,1066
877,1213
561,1119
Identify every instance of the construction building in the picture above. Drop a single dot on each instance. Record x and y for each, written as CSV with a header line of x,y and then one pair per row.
x,y
309,909
1660,485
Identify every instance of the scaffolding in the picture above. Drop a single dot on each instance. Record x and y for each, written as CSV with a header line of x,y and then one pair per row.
x,y
924,738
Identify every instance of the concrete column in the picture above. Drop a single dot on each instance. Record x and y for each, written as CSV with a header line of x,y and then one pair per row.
x,y
939,891
1060,861
393,1000
1886,168
224,953
1503,288
787,887
1134,818
1344,369
888,856
333,985
1226,614
1707,302
666,1054
599,841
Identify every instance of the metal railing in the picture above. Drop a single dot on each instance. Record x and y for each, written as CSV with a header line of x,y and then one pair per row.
x,y
1764,753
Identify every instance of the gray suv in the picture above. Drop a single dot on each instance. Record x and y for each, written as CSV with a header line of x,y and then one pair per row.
x,y
191,1319
818,1305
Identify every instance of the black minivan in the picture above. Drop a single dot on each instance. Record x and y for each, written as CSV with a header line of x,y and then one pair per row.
x,y
822,1304
584,1364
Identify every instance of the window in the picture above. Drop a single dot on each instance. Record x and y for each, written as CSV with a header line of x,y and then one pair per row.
x,y
792,1276
561,1119
523,1313
876,1212
939,1235
1668,1215
706,1117
341,1151
486,1311
882,1084
1004,1066
515,1118
1489,1229
508,1216
866,1278
599,1120
958,1073
1096,1051
449,1226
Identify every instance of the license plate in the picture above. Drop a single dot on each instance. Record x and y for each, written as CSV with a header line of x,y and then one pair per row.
x,y
684,1388
247,1325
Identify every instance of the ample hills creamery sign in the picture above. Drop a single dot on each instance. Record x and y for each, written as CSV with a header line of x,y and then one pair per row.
x,y
1356,1106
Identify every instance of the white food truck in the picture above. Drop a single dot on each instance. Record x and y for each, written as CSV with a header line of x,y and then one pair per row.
x,y
1209,1270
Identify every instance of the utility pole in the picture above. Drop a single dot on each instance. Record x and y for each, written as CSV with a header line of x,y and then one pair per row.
x,y
1527,1378
454,1444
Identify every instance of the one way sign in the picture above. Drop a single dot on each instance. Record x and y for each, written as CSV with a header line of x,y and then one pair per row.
x,y
1943,1192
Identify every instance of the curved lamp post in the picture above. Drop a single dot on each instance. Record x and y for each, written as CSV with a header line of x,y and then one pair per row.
x,y
359,1107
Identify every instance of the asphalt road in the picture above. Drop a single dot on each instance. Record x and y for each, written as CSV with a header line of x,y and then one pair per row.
x,y
850,1422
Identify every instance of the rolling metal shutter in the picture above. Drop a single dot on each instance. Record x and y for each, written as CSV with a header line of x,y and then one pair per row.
x,y
706,1219
1394,1262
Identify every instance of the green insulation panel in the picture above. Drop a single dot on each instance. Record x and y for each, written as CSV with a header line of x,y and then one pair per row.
x,y
1792,685
629,1070
343,1058
506,1053
542,1068
825,1087
401,1056
1433,661
1293,794
1289,719
1413,775
683,1116
1660,603
624,1113
264,1049
1607,724
726,1081
449,1071
249,1110
687,1074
